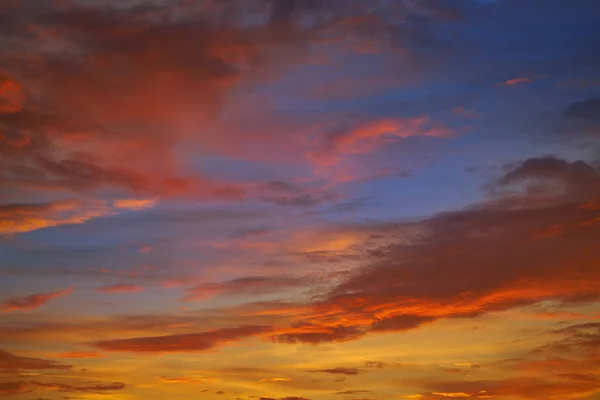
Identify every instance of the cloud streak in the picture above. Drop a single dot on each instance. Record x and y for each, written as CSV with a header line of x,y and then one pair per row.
x,y
181,343
31,301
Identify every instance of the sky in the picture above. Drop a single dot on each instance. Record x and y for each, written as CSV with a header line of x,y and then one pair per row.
x,y
300,199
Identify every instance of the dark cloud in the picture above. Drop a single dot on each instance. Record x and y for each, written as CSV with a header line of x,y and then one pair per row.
x,y
338,371
303,200
182,343
320,334
287,194
346,392
251,285
11,362
588,109
554,177
284,398
576,338
14,388
89,387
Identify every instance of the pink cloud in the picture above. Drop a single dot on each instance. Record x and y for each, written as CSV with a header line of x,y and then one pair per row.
x,y
517,81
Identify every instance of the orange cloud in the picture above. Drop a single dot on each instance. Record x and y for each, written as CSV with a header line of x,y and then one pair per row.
x,y
80,354
120,288
564,387
32,301
21,218
274,380
184,380
135,204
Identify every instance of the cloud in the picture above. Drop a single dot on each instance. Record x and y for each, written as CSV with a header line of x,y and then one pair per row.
x,y
317,333
135,204
466,113
32,301
303,200
346,392
400,323
90,387
294,195
284,398
338,371
181,343
565,386
119,288
11,362
80,354
437,275
89,66
587,110
85,127
21,218
14,388
184,380
577,338
252,285
552,178
365,137
12,94
517,81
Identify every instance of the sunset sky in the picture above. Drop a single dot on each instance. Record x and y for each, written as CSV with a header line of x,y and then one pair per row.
x,y
299,199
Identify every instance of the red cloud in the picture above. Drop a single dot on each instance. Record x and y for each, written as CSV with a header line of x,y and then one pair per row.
x,y
12,94
86,128
120,288
32,301
182,343
11,362
14,388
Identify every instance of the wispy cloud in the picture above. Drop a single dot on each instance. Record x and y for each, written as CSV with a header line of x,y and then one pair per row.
x,y
31,301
